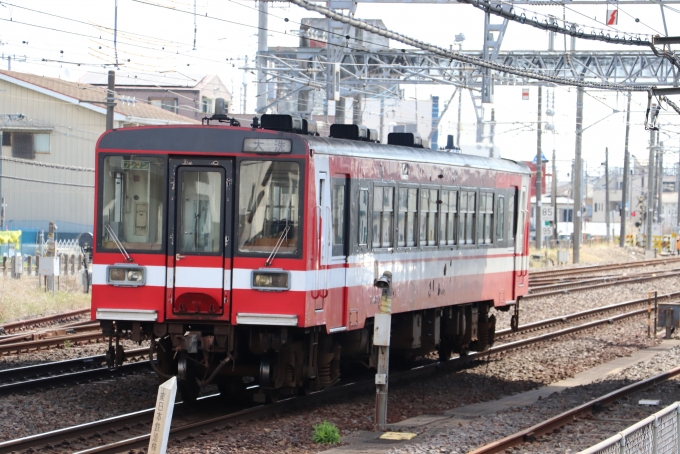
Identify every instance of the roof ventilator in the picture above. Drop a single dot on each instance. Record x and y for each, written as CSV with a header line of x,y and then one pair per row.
x,y
354,132
405,139
220,115
287,123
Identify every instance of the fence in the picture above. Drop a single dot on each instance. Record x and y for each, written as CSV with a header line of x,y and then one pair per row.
x,y
70,264
656,434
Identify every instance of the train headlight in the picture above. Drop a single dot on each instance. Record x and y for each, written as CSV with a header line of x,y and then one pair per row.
x,y
125,275
271,280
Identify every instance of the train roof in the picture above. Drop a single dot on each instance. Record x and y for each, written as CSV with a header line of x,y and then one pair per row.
x,y
355,148
224,139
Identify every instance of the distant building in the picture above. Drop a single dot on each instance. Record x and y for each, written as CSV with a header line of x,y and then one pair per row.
x,y
49,129
191,97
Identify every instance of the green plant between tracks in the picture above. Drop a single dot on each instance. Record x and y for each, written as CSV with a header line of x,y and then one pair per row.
x,y
326,433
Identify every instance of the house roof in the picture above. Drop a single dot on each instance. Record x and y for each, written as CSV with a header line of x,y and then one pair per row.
x,y
80,93
174,80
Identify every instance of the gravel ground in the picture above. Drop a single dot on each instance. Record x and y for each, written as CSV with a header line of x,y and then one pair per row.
x,y
509,373
573,438
503,374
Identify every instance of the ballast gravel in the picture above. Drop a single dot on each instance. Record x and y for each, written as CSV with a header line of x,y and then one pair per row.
x,y
503,374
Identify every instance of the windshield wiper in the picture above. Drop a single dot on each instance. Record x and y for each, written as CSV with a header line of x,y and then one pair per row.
x,y
283,236
118,243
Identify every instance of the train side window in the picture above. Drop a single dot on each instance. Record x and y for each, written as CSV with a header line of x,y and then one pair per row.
x,y
363,217
428,216
486,213
339,214
447,218
500,218
513,217
407,217
383,208
467,217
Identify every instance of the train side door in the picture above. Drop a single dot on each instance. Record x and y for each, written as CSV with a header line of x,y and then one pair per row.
x,y
521,269
339,235
199,267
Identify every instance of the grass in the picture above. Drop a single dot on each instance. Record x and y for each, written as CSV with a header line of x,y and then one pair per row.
x,y
590,253
326,433
22,298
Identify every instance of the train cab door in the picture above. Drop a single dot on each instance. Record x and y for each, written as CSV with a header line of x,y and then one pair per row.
x,y
521,265
199,263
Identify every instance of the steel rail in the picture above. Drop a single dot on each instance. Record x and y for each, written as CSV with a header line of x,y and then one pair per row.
x,y
570,416
23,324
24,347
596,268
607,279
55,437
594,286
53,370
583,314
62,330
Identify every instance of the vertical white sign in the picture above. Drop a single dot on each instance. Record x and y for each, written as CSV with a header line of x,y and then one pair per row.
x,y
160,429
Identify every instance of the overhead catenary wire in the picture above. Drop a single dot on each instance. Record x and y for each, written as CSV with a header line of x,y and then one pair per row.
x,y
58,183
45,164
460,56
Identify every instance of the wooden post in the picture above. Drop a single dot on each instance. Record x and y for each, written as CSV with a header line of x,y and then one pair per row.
x,y
29,263
73,264
160,428
656,310
649,315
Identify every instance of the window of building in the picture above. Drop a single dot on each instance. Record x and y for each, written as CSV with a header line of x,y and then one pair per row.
x,y
363,217
466,217
428,216
407,217
169,104
500,218
207,105
25,145
447,218
383,208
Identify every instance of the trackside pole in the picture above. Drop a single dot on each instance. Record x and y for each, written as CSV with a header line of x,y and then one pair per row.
x,y
381,339
162,417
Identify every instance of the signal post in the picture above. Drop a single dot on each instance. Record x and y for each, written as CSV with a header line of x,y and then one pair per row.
x,y
381,340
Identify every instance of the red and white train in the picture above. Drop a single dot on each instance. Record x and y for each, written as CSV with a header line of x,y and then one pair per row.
x,y
250,255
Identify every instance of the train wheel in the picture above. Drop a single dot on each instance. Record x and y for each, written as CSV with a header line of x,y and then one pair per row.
x,y
186,378
233,390
514,323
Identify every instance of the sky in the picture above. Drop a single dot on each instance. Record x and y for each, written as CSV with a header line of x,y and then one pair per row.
x,y
71,37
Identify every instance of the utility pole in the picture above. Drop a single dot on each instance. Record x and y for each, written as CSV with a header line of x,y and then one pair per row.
x,y
578,177
262,48
492,133
677,188
650,192
607,212
659,180
382,119
110,98
553,194
626,181
539,165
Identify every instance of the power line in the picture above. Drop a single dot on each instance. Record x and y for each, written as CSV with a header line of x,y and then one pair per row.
x,y
44,164
58,183
459,56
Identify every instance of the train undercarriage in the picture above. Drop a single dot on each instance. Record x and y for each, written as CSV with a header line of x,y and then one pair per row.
x,y
263,363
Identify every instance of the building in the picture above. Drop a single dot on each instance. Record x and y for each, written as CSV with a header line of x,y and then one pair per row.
x,y
184,95
49,129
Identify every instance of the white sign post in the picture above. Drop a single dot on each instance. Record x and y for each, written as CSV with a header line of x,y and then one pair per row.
x,y
160,429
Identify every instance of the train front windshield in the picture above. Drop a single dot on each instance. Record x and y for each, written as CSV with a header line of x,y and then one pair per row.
x,y
269,206
132,202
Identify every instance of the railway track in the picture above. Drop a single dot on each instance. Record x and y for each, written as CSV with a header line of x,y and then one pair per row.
x,y
69,372
569,416
14,327
102,433
592,281
560,273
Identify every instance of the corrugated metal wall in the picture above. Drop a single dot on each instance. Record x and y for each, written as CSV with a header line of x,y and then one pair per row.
x,y
50,193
